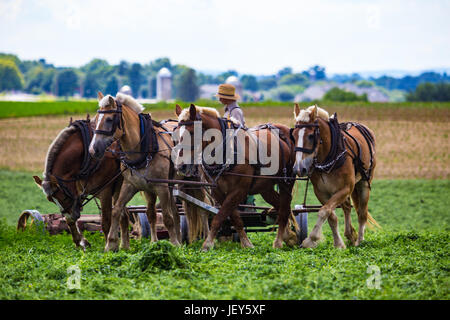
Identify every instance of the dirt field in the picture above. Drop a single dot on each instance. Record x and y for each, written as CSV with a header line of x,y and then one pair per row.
x,y
411,143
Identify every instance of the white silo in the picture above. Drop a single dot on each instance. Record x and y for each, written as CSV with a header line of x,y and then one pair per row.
x,y
237,84
164,84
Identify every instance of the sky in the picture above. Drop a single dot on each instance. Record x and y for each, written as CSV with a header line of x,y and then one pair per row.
x,y
253,37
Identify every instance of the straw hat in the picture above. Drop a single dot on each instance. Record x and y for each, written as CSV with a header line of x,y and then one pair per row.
x,y
227,91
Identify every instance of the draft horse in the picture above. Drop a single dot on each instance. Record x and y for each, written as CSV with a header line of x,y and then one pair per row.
x,y
235,181
146,149
71,175
340,161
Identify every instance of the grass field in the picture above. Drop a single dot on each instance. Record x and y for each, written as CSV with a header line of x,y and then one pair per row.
x,y
411,252
410,199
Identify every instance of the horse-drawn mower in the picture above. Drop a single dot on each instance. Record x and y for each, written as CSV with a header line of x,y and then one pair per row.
x,y
255,219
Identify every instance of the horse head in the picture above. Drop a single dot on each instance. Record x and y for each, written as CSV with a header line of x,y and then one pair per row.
x,y
108,125
306,137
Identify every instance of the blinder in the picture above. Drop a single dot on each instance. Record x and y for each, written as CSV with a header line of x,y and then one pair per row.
x,y
116,120
316,135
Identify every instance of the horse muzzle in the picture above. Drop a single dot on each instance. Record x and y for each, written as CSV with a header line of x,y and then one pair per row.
x,y
303,168
97,148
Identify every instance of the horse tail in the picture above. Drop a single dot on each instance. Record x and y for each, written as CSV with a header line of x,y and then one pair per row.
x,y
372,223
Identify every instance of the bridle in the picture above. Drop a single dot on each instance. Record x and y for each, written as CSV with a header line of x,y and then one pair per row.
x,y
116,120
61,186
314,125
198,118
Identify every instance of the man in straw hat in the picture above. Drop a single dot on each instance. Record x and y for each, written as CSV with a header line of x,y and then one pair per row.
x,y
227,96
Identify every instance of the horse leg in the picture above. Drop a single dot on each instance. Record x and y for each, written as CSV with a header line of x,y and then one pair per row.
x,y
285,198
238,224
151,214
229,203
126,194
324,213
124,230
77,236
271,197
106,206
168,212
360,198
333,222
350,232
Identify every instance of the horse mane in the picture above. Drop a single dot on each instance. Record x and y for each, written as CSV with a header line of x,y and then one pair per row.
x,y
184,115
124,99
55,147
304,115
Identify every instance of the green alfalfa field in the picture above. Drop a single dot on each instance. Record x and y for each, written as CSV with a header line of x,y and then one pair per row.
x,y
407,259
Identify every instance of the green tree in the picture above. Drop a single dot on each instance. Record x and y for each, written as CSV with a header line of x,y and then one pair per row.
x,y
186,85
267,83
249,82
430,92
34,79
48,77
285,96
10,76
284,71
293,78
123,68
136,78
112,86
160,63
66,82
337,94
317,73
97,72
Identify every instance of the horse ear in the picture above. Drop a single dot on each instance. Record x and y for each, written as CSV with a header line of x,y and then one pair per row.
x,y
111,101
177,110
193,112
296,110
99,96
314,113
38,181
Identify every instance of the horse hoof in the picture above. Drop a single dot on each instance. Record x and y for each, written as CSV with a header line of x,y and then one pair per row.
x,y
176,243
277,244
340,246
110,246
247,245
308,243
85,244
125,247
207,246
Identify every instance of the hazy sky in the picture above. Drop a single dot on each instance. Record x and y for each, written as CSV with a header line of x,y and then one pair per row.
x,y
258,37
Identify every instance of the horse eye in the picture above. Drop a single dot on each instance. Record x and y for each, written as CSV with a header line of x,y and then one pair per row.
x,y
311,137
109,120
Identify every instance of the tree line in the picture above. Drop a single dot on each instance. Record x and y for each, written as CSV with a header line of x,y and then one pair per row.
x,y
38,76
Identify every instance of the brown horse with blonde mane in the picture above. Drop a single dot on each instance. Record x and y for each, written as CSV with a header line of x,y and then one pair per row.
x,y
234,182
71,175
340,161
146,147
